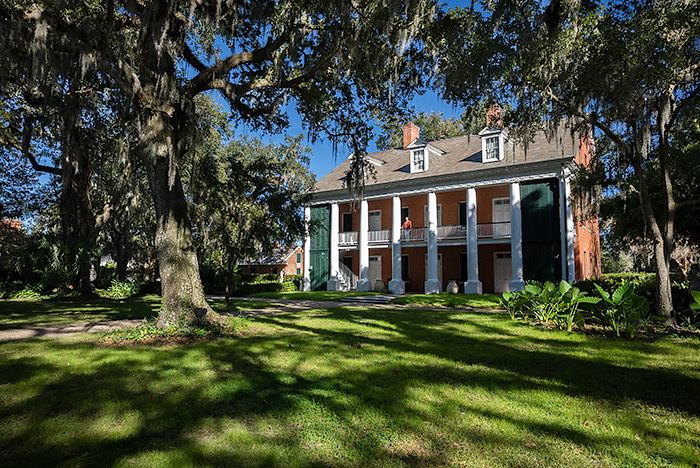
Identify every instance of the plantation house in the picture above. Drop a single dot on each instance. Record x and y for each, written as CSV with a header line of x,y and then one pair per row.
x,y
487,215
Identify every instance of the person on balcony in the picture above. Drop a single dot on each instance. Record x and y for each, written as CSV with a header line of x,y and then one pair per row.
x,y
406,227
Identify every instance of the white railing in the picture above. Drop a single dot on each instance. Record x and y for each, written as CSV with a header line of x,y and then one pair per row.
x,y
348,238
413,235
348,277
493,230
379,236
452,232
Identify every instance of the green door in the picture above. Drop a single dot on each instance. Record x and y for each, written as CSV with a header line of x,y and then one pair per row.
x,y
320,247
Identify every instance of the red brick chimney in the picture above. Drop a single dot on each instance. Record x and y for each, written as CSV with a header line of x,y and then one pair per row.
x,y
410,133
493,115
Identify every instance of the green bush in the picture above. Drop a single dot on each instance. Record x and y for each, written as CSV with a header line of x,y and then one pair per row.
x,y
120,289
560,304
19,290
622,309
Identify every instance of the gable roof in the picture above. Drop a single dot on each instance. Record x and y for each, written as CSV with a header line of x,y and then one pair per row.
x,y
278,256
461,160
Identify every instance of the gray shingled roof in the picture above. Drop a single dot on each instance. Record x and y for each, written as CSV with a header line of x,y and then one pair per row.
x,y
278,256
461,161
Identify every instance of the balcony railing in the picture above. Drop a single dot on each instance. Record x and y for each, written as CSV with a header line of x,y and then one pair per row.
x,y
413,235
452,232
493,230
445,233
374,237
348,238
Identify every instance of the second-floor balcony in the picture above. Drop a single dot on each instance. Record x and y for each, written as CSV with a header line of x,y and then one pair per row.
x,y
419,235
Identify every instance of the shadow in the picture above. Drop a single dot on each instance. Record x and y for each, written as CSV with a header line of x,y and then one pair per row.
x,y
405,169
476,158
336,387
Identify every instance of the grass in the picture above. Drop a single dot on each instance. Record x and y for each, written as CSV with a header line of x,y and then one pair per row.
x,y
351,387
54,312
483,301
311,295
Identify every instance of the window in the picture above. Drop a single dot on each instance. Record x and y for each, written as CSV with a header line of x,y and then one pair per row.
x,y
404,268
492,151
347,222
298,257
298,271
418,162
404,213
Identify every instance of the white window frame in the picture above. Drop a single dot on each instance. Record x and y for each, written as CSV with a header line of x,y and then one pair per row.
x,y
414,166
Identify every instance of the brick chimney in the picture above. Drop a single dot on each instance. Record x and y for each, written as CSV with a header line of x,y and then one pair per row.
x,y
410,133
493,115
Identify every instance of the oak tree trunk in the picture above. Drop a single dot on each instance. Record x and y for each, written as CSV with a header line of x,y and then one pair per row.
x,y
182,289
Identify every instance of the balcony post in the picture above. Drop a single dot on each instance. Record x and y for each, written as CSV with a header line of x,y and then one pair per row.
x,y
432,283
333,283
364,284
516,239
307,249
473,285
396,285
568,262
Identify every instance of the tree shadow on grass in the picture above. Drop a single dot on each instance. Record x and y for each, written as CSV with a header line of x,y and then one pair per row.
x,y
307,394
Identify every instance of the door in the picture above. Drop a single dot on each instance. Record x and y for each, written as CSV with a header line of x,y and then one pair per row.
x,y
439,268
502,272
375,270
375,220
500,216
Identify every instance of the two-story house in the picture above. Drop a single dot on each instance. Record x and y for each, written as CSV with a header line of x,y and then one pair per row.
x,y
486,215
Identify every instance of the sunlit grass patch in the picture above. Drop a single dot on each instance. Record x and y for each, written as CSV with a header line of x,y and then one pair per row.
x,y
481,301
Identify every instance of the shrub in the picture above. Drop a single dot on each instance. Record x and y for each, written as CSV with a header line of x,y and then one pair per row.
x,y
120,289
622,309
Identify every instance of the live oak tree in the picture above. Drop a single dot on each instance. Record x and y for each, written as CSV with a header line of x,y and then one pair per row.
x,y
333,61
627,70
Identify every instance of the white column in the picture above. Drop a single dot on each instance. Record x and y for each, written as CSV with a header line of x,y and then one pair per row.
x,y
396,285
432,283
307,249
473,285
570,232
562,227
364,284
516,239
333,283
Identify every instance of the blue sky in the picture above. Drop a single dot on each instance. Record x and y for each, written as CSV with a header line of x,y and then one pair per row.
x,y
322,158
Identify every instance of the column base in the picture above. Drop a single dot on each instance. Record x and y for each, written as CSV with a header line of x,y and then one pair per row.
x,y
365,285
473,287
397,287
433,287
333,284
516,285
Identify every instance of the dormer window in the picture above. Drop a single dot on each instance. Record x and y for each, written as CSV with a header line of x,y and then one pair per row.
x,y
492,149
418,162
492,143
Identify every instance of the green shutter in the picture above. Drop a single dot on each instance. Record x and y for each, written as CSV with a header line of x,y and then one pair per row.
x,y
541,230
320,247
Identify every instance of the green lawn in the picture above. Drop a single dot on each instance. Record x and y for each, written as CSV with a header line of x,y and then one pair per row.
x,y
311,295
482,301
31,313
348,387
